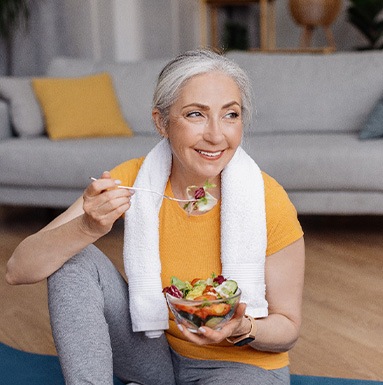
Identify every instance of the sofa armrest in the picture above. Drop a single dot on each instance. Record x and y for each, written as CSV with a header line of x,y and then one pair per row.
x,y
5,124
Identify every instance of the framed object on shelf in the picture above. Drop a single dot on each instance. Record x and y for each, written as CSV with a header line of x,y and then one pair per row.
x,y
210,23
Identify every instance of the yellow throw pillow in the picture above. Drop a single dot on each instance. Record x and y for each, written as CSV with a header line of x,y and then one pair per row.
x,y
80,107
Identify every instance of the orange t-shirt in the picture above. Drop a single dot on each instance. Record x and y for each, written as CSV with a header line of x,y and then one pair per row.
x,y
190,248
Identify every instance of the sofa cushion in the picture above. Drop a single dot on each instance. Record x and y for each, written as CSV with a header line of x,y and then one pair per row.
x,y
373,127
319,162
25,113
136,91
42,163
313,93
134,83
5,124
80,107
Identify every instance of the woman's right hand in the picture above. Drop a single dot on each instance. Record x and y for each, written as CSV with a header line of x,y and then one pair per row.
x,y
103,204
83,223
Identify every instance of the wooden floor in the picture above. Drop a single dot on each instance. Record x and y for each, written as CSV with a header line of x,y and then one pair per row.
x,y
342,333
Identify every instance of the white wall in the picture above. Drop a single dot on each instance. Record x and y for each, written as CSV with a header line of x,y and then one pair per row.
x,y
104,29
153,28
77,28
35,47
136,29
126,30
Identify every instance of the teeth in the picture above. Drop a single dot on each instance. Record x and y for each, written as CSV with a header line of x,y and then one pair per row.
x,y
212,154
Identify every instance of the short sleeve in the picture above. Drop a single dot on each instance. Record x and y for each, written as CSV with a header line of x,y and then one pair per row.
x,y
283,227
127,172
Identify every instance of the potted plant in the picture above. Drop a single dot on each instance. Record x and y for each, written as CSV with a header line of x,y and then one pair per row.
x,y
315,12
367,17
13,13
311,14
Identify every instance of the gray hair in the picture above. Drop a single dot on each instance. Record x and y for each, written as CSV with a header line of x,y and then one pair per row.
x,y
191,63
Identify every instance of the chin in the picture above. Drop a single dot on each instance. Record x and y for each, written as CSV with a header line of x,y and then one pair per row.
x,y
211,175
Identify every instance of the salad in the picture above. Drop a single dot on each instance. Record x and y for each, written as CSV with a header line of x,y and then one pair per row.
x,y
199,302
201,200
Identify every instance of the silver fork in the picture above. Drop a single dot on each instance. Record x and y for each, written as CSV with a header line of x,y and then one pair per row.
x,y
154,192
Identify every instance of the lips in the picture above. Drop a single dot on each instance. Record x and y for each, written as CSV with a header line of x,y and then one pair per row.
x,y
209,154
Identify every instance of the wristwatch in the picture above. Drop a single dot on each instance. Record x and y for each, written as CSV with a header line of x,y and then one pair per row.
x,y
245,339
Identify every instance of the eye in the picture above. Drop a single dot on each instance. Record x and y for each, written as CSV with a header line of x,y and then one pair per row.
x,y
232,115
193,114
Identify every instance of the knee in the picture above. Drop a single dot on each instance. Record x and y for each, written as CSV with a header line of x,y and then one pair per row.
x,y
82,264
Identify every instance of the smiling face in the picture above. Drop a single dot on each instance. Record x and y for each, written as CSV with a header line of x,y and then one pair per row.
x,y
204,129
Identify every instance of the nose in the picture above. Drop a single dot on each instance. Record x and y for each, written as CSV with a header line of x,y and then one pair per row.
x,y
213,132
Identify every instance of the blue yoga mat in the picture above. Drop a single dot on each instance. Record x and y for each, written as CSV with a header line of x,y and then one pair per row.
x,y
311,380
22,368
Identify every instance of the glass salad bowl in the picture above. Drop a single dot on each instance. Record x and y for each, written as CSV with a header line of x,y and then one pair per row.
x,y
203,311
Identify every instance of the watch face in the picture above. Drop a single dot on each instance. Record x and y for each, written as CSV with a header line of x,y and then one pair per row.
x,y
245,341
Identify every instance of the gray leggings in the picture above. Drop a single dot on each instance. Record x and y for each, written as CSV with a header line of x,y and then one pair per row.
x,y
89,310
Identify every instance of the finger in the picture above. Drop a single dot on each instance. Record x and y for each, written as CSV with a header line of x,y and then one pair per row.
x,y
237,322
100,185
106,175
118,204
240,310
108,218
100,220
228,329
109,195
196,338
106,202
206,335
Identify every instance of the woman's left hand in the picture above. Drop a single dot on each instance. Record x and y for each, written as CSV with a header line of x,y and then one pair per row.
x,y
236,326
279,331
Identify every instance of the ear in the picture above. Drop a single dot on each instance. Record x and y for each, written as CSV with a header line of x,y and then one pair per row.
x,y
159,122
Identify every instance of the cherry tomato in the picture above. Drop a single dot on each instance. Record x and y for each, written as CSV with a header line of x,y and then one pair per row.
x,y
218,309
209,289
205,297
195,280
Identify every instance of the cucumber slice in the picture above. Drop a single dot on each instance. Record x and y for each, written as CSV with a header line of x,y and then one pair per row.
x,y
192,318
213,322
227,289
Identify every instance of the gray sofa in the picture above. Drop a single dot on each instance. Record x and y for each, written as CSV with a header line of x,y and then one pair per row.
x,y
310,109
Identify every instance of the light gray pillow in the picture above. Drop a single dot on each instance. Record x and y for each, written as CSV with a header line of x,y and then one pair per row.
x,y
373,128
26,116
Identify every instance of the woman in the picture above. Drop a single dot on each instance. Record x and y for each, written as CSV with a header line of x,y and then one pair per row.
x,y
201,103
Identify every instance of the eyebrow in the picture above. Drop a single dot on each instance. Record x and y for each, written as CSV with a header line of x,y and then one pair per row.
x,y
204,107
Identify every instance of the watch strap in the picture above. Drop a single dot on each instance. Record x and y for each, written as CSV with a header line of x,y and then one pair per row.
x,y
245,339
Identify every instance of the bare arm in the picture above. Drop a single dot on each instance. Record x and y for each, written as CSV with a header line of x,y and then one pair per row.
x,y
284,282
88,219
280,330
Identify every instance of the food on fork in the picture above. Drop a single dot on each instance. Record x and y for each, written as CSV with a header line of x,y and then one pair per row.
x,y
200,199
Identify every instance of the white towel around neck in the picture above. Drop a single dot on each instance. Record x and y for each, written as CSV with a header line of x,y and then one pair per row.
x,y
243,238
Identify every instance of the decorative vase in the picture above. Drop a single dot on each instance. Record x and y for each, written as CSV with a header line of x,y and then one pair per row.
x,y
315,13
